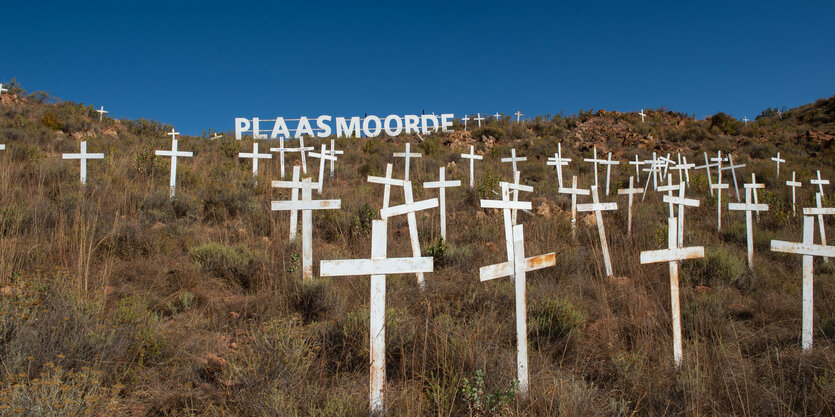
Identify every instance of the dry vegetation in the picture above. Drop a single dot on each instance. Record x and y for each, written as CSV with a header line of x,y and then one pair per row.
x,y
114,300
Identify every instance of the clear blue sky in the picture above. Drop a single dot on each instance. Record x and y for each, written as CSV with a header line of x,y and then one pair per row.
x,y
198,66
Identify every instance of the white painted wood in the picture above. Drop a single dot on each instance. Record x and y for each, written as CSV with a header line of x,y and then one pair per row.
x,y
472,157
518,114
281,151
732,168
574,191
687,168
255,156
407,155
642,114
442,184
2,145
497,116
749,207
754,186
719,186
673,254
609,162
820,211
294,185
387,181
820,182
667,161
809,250
779,161
682,202
478,119
637,162
174,153
334,152
630,192
323,156
82,157
513,159
558,161
101,111
595,161
465,119
669,188
2,89
515,187
302,151
378,267
409,208
597,207
706,167
794,184
654,170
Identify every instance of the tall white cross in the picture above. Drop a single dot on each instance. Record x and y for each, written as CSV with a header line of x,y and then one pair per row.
x,y
513,159
686,168
754,186
669,188
472,157
595,161
820,182
294,185
809,250
465,119
497,116
558,161
667,161
517,266
574,191
409,208
707,167
442,184
255,156
377,267
478,118
794,184
819,210
732,168
518,115
216,136
507,206
718,186
323,156
654,169
101,111
281,150
673,255
779,161
609,162
597,207
682,202
307,205
637,162
515,186
174,154
387,182
631,191
82,156
334,152
748,206
302,150
745,119
407,155
643,115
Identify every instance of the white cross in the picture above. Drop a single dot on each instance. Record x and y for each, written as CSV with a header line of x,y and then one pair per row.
x,y
409,208
517,266
809,250
465,119
507,206
686,168
334,152
753,185
513,159
294,185
378,267
745,119
281,150
719,186
516,187
667,161
669,188
574,191
101,111
518,114
2,89
407,155
173,153
442,184
820,182
706,167
733,167
642,114
323,156
216,136
654,169
748,207
478,118
673,254
595,161
597,207
609,162
255,156
682,203
637,162
630,192
82,156
497,116
302,150
819,210
778,161
173,133
307,205
472,157
794,184
387,181
558,161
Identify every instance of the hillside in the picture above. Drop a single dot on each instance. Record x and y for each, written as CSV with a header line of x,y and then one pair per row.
x,y
116,301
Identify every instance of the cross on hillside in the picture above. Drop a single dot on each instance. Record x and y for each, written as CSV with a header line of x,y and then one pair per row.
x,y
574,191
707,167
809,250
101,111
255,156
465,119
407,155
295,184
654,169
637,162
497,116
609,162
513,159
754,186
472,157
820,182
281,150
2,90
518,115
597,207
719,186
323,156
820,211
778,160
409,208
307,205
378,266
732,168
595,161
334,152
631,191
174,153
682,202
669,188
387,182
478,118
794,184
642,114
516,187
442,184
82,156
558,161
748,207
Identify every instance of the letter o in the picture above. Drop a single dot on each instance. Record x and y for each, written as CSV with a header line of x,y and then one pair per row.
x,y
398,125
378,127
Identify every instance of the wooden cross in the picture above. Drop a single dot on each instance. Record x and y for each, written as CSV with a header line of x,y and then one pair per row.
x,y
719,186
637,162
667,161
673,255
465,119
820,182
686,168
507,206
334,152
255,156
778,161
707,167
407,155
377,267
683,169
497,116
609,162
174,154
748,206
2,89
173,133
809,250
643,115
472,157
574,191
669,188
82,156
819,210
442,184
754,186
281,150
294,185
733,167
478,118
654,169
516,187
682,203
597,207
518,114
409,208
302,150
630,192
307,205
101,111
513,159
794,184
216,136
387,181
745,119
517,266
595,161
323,156
558,161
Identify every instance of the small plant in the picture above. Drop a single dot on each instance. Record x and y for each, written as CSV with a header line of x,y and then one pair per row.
x,y
293,264
437,251
361,222
489,183
494,404
223,261
553,320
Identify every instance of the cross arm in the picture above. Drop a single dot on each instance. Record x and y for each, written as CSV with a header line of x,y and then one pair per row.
x,y
501,204
408,208
803,248
597,206
350,267
505,269
670,255
306,205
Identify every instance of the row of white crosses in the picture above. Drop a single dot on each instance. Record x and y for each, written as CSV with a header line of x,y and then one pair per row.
x,y
479,119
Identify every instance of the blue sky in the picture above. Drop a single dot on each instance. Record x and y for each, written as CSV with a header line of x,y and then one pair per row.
x,y
200,65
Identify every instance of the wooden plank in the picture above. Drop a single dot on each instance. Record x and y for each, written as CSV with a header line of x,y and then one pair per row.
x,y
408,208
388,266
506,269
675,254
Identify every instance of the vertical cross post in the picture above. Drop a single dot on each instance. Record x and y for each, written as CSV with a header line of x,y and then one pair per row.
x,y
597,207
442,184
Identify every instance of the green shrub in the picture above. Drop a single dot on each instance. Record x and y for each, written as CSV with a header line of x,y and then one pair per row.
x,y
437,251
719,266
553,319
59,392
495,132
489,183
235,263
361,221
496,403
311,299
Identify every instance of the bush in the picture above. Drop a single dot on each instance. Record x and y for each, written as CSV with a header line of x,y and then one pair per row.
x,y
496,132
552,320
484,405
59,392
719,266
236,263
437,251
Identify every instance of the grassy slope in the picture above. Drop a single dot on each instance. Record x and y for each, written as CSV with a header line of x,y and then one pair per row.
x,y
114,298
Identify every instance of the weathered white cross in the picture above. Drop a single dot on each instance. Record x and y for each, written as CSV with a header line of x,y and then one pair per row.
x,y
809,250
595,161
334,152
409,208
673,255
478,118
719,186
574,191
255,156
407,155
745,119
101,111
442,184
307,205
609,162
630,192
216,136
302,150
513,159
654,169
472,157
2,89
377,267
497,116
778,160
387,182
465,119
516,187
754,186
794,184
597,207
507,206
748,206
819,210
667,162
707,167
682,202
174,153
637,162
733,167
294,185
820,182
281,150
669,188
323,156
518,114
558,161
82,156
643,115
